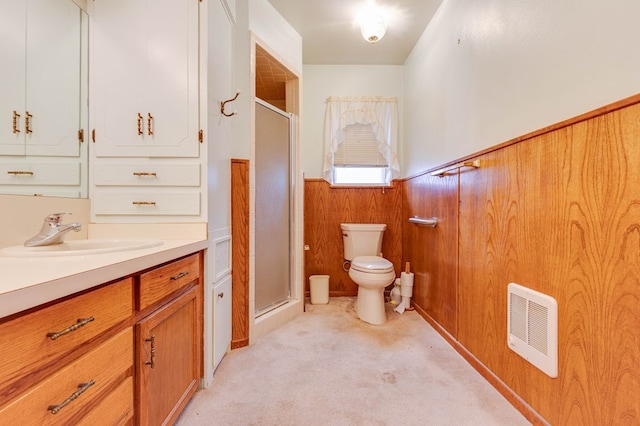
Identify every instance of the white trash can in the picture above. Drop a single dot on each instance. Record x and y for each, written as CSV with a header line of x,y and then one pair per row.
x,y
319,289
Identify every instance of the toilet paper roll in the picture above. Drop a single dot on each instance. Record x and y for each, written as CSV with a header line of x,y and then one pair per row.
x,y
406,279
406,284
406,301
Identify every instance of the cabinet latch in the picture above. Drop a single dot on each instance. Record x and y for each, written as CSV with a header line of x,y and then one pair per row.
x,y
81,135
200,135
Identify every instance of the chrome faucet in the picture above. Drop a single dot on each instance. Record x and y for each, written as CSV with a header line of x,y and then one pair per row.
x,y
52,231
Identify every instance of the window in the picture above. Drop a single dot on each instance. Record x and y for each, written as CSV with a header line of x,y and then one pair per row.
x,y
361,141
358,160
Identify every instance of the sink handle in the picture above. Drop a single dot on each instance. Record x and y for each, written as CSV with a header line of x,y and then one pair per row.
x,y
55,218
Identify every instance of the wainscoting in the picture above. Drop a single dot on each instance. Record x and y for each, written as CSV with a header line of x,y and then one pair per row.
x,y
326,207
240,252
558,211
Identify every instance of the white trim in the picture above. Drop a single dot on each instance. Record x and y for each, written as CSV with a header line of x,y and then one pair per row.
x,y
231,16
220,266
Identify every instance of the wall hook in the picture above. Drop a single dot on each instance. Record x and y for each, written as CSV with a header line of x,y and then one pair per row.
x,y
223,103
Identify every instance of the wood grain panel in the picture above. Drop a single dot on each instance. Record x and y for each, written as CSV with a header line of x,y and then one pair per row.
x,y
159,283
433,252
326,207
240,253
560,213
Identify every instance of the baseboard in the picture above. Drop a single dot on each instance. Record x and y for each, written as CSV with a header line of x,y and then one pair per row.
x,y
239,343
513,398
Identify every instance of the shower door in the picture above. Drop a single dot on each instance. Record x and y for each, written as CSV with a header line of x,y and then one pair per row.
x,y
273,208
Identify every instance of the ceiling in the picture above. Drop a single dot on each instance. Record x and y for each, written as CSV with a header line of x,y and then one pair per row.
x,y
330,36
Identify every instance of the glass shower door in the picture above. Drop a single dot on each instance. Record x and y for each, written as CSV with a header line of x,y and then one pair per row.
x,y
273,208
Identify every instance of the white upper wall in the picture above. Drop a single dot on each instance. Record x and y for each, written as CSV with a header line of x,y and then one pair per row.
x,y
323,81
487,71
261,19
272,29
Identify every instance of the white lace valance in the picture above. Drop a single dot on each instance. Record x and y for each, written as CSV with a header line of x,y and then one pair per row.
x,y
381,113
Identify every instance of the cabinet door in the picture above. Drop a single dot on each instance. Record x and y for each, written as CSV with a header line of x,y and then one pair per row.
x,y
53,78
13,72
146,78
40,78
221,320
167,358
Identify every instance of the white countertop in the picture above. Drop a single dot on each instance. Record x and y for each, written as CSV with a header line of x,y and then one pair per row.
x,y
29,282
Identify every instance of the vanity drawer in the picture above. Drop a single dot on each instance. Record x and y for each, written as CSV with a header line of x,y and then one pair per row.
x,y
40,174
162,281
146,203
32,341
96,371
147,174
114,409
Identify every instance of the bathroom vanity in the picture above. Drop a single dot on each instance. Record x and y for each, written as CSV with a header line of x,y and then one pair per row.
x,y
116,339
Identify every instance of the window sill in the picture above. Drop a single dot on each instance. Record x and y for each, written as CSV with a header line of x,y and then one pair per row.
x,y
358,185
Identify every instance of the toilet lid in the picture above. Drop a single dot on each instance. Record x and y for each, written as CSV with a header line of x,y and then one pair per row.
x,y
372,264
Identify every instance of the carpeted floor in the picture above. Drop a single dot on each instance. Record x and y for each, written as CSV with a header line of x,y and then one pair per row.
x,y
326,367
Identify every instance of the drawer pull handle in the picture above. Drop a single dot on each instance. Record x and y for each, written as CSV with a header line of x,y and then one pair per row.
x,y
16,117
180,275
55,409
27,122
221,295
149,124
144,203
139,124
154,174
152,340
81,322
20,172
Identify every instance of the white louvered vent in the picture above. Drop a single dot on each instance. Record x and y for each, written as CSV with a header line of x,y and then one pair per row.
x,y
532,327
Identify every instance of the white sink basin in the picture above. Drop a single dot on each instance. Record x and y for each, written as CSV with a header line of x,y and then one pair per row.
x,y
81,247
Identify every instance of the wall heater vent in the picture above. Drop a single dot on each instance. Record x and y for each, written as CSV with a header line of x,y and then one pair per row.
x,y
532,327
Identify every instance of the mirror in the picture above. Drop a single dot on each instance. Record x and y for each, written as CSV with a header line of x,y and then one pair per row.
x,y
43,107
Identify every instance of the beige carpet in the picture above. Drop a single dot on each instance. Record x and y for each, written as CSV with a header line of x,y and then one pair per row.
x,y
326,367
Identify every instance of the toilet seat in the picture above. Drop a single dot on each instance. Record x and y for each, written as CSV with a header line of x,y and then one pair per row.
x,y
372,265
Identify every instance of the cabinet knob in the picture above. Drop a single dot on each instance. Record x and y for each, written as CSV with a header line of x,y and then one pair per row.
x,y
221,295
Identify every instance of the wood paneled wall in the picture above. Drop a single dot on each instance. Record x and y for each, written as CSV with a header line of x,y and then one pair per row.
x,y
433,252
558,212
240,253
326,207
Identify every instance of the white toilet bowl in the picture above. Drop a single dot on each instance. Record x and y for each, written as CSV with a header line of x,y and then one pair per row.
x,y
372,274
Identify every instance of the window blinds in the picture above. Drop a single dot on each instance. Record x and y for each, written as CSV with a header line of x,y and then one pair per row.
x,y
359,148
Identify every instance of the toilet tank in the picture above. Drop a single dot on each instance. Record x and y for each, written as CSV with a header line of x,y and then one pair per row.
x,y
362,239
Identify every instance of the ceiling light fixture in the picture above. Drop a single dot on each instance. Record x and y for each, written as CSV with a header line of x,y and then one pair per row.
x,y
372,24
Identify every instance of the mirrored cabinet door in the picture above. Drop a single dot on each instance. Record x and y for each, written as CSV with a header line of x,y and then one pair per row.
x,y
40,77
13,15
53,78
43,98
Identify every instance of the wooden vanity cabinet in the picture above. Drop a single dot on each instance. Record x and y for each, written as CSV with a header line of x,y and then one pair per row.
x,y
168,340
167,360
128,352
71,355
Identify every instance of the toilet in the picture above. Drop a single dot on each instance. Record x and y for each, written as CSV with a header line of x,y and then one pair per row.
x,y
372,273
